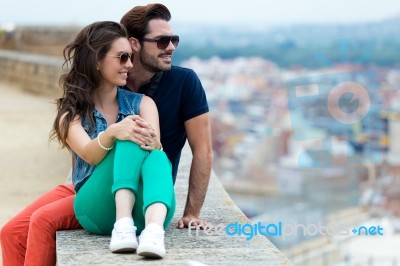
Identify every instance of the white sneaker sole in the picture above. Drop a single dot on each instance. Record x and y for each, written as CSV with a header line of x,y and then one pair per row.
x,y
150,252
123,247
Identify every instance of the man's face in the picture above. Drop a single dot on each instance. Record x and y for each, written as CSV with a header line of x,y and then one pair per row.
x,y
152,57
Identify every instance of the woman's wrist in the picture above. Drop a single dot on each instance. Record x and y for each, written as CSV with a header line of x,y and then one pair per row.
x,y
101,140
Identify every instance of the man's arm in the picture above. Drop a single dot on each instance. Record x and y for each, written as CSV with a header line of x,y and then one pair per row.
x,y
199,137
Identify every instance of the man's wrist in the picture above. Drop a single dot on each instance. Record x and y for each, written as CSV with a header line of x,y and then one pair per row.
x,y
160,147
191,213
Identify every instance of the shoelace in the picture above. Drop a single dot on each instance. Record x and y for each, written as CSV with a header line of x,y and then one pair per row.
x,y
125,232
152,237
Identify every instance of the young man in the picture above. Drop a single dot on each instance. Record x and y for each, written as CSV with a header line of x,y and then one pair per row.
x,y
183,110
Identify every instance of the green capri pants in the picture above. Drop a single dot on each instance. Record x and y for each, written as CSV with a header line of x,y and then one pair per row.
x,y
126,166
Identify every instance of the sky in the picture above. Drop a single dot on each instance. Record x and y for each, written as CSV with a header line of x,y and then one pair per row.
x,y
273,12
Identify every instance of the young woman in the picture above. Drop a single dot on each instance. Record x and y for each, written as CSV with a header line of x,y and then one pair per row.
x,y
122,179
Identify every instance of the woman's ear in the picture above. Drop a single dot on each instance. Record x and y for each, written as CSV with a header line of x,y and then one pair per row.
x,y
135,44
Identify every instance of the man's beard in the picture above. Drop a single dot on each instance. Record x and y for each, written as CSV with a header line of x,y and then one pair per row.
x,y
151,63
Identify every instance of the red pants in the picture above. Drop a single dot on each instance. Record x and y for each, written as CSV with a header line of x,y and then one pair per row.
x,y
30,237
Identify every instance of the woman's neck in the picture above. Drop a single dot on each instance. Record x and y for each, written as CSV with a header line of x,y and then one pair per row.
x,y
106,103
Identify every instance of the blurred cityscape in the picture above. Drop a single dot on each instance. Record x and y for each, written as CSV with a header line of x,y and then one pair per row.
x,y
306,131
284,154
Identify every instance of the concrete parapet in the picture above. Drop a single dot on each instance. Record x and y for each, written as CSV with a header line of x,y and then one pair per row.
x,y
183,246
34,73
46,40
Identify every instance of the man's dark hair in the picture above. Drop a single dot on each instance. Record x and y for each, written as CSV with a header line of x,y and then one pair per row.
x,y
137,19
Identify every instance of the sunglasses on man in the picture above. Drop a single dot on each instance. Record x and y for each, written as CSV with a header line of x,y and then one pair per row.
x,y
163,41
123,57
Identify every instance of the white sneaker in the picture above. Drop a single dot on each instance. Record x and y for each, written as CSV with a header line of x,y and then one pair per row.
x,y
123,239
151,242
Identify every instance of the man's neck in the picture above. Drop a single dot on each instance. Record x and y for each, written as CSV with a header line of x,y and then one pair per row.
x,y
138,78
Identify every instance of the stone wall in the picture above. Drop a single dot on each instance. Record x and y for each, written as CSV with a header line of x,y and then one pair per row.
x,y
31,57
48,40
34,73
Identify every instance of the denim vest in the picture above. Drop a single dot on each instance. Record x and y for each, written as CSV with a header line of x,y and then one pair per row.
x,y
129,104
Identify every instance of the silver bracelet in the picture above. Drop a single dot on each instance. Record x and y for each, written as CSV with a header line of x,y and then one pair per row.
x,y
101,145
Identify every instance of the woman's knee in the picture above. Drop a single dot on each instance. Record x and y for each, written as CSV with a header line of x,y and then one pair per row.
x,y
157,164
157,156
128,152
127,145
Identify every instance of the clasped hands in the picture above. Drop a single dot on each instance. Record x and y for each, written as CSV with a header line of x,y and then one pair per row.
x,y
135,129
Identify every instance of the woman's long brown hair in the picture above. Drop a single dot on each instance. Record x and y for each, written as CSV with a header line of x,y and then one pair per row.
x,y
81,77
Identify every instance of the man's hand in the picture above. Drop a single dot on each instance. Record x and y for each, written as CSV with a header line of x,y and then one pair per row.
x,y
193,221
199,137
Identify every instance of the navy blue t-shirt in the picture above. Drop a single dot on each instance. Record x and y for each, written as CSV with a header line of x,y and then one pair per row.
x,y
179,97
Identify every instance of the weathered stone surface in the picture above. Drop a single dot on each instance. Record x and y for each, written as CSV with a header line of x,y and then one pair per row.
x,y
184,247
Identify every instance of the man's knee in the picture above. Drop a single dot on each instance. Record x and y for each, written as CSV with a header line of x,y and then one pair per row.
x,y
53,217
12,232
5,233
43,221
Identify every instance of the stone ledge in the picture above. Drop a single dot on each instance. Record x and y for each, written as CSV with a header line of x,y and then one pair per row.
x,y
80,248
40,72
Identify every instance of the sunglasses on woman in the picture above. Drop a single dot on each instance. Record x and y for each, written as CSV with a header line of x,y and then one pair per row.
x,y
123,57
163,41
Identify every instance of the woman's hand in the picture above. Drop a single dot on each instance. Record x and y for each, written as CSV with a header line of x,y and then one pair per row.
x,y
152,141
135,129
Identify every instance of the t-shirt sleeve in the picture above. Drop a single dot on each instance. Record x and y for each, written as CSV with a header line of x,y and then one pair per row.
x,y
194,100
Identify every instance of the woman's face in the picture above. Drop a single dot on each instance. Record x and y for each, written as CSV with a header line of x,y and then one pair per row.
x,y
115,65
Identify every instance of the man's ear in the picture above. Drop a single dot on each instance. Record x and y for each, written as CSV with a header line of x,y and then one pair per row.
x,y
135,44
